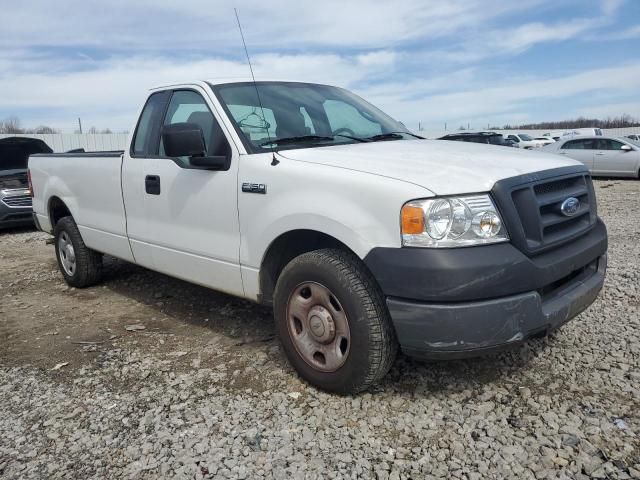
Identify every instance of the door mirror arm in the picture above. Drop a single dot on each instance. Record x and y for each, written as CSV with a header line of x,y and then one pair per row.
x,y
209,162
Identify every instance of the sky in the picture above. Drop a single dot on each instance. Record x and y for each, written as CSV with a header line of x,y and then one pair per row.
x,y
427,62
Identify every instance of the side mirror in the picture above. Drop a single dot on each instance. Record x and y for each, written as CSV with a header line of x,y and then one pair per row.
x,y
626,148
183,140
187,140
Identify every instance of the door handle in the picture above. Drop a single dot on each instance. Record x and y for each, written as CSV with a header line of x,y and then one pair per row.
x,y
600,153
152,184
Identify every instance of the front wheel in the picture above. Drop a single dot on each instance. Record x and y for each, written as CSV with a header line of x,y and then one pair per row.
x,y
80,266
333,322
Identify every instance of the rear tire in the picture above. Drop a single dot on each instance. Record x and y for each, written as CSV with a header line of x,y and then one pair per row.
x,y
80,266
345,341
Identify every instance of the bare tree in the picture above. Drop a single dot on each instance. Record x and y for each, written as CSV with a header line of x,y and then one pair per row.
x,y
13,125
623,121
10,125
42,129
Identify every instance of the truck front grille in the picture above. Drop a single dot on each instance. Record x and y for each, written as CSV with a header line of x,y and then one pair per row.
x,y
532,207
15,198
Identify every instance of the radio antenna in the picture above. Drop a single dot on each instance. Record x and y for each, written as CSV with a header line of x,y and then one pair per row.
x,y
274,160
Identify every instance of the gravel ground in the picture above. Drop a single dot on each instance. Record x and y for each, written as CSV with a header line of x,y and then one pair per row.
x,y
150,377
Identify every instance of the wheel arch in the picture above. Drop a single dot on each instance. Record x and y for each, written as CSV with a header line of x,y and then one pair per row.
x,y
285,248
57,209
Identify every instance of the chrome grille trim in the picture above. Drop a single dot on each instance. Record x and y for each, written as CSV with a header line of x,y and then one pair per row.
x,y
16,198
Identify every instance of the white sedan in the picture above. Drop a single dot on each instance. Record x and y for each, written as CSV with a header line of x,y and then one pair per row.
x,y
543,141
524,141
606,156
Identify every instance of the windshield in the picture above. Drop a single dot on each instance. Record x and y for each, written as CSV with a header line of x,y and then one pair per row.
x,y
303,115
630,140
525,137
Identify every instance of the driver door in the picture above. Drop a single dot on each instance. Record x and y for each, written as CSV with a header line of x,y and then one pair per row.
x,y
184,221
610,159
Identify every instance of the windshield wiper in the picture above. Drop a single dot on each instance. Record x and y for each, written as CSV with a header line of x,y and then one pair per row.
x,y
391,136
352,138
300,138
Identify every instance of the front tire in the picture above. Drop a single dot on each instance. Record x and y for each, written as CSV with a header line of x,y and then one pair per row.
x,y
333,322
80,266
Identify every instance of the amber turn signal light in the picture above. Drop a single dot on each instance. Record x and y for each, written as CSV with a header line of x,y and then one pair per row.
x,y
412,220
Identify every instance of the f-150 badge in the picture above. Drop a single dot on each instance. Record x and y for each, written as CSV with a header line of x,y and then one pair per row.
x,y
254,188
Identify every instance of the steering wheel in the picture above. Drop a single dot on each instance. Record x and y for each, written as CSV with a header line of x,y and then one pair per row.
x,y
344,131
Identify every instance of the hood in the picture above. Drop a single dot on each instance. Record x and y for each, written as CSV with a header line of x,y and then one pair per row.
x,y
443,167
15,151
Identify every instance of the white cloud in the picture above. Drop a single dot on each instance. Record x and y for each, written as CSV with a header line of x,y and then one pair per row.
x,y
508,99
422,60
112,90
509,41
527,35
611,110
629,33
209,25
109,95
611,6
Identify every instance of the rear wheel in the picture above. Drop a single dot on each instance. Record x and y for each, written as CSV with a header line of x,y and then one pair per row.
x,y
333,322
80,266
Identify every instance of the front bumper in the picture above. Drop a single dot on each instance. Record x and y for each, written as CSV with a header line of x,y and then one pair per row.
x,y
453,303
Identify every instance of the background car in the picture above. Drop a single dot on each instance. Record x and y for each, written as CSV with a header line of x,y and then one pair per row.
x,y
607,156
491,138
582,132
15,200
524,140
544,140
634,137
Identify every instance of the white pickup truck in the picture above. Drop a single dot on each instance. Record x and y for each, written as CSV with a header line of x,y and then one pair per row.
x,y
361,235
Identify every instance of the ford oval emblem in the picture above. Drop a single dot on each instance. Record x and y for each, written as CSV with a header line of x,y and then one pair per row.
x,y
570,206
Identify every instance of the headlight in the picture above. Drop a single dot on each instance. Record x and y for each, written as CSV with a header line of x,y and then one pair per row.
x,y
451,222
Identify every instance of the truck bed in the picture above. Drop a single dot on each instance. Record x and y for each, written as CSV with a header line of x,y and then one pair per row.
x,y
93,177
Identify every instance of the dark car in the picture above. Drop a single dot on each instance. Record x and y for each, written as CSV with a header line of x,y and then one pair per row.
x,y
510,143
491,138
15,200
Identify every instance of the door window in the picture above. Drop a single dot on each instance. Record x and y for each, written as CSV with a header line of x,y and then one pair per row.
x,y
147,129
607,144
582,144
189,106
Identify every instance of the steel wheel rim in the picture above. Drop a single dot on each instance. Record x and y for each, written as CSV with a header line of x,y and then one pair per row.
x,y
318,327
67,254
